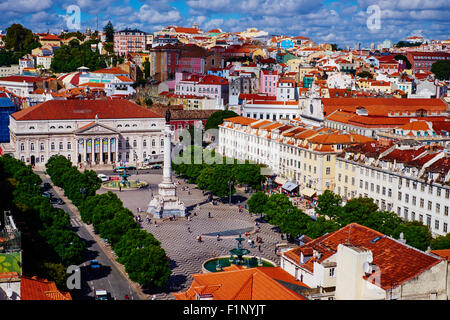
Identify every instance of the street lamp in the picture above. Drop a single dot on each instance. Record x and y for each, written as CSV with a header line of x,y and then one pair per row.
x,y
230,184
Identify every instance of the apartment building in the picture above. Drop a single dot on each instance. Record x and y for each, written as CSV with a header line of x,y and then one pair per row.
x,y
413,182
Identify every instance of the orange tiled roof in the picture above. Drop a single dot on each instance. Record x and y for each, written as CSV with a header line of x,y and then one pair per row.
x,y
444,253
241,120
38,289
243,284
112,70
260,124
418,125
398,262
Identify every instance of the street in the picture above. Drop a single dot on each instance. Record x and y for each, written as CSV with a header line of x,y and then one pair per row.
x,y
109,277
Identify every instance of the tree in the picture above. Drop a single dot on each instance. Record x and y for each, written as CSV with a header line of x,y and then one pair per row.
x,y
219,181
293,222
20,39
133,239
403,58
216,118
109,32
415,233
383,221
335,47
276,205
321,226
146,69
203,181
441,69
257,202
148,266
402,44
357,210
329,204
441,242
365,74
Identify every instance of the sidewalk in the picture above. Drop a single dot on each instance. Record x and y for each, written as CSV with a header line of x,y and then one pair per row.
x,y
104,247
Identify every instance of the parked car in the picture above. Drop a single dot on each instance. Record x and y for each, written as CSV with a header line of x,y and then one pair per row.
x,y
47,186
47,194
101,294
103,177
95,266
156,166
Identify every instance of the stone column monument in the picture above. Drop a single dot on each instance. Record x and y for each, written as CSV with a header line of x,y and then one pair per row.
x,y
166,203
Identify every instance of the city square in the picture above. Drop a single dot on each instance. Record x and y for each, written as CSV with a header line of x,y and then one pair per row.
x,y
185,252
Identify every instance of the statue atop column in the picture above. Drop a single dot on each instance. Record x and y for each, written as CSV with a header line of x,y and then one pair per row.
x,y
166,203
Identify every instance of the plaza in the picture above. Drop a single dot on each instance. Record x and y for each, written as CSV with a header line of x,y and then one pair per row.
x,y
179,237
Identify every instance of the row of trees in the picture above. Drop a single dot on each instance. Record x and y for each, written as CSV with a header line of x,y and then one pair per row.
x,y
141,254
333,216
48,242
215,177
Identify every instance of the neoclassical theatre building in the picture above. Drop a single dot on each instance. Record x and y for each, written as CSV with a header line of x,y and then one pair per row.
x,y
88,132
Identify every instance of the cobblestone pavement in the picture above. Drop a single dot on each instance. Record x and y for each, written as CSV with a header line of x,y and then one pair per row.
x,y
186,254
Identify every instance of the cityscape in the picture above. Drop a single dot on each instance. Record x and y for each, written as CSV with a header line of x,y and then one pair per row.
x,y
192,150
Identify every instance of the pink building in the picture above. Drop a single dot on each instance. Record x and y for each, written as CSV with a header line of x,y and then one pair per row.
x,y
210,86
127,41
268,82
191,65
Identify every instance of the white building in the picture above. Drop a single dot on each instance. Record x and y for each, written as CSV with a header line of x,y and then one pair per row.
x,y
88,132
413,182
358,263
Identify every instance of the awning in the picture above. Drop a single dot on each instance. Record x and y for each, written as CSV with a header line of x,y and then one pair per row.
x,y
308,192
280,180
289,186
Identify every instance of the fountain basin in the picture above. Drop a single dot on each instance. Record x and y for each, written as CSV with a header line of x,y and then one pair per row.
x,y
210,265
130,185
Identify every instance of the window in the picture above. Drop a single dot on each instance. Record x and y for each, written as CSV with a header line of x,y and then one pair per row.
x,y
331,272
328,170
447,194
438,192
446,211
445,228
52,146
430,205
406,197
389,192
32,146
436,224
421,202
42,158
414,200
134,143
42,147
162,142
22,147
328,157
144,143
438,208
153,142
61,146
69,146
399,196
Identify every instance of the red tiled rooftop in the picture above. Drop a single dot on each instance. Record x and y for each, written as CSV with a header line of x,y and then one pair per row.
x,y
84,109
398,262
38,289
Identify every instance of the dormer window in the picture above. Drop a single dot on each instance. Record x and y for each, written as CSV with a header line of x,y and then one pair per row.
x,y
52,127
31,128
60,127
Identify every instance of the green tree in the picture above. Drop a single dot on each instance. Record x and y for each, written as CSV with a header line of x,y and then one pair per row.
x,y
415,233
216,118
133,239
109,32
148,266
257,202
383,221
329,204
146,69
441,242
403,58
321,226
357,210
219,181
20,39
365,74
441,69
293,222
276,205
204,180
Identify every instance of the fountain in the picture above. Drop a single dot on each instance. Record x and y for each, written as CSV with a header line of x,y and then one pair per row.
x,y
124,182
239,257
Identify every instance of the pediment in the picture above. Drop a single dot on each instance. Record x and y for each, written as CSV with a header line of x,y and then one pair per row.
x,y
95,128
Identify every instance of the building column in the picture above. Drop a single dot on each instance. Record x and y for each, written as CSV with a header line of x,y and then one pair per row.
x,y
108,149
93,152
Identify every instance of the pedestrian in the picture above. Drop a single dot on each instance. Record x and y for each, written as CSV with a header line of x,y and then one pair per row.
x,y
259,248
249,242
120,187
218,237
253,243
189,229
209,214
